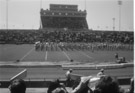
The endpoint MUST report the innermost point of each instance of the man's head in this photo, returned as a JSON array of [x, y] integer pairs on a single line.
[[107, 84], [70, 70], [53, 85], [17, 86], [102, 70], [56, 87]]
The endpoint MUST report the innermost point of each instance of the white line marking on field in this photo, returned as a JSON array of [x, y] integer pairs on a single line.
[[26, 54], [85, 54], [46, 53], [67, 56]]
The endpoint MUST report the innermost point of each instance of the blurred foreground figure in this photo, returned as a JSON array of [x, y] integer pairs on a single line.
[[56, 87], [102, 84], [101, 73], [131, 89], [107, 84], [81, 86], [68, 79], [17, 86], [68, 73]]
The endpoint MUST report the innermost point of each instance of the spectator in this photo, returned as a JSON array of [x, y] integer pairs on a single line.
[[68, 80], [101, 73], [116, 55], [17, 86], [131, 89], [81, 86], [31, 36], [107, 84], [104, 84], [56, 87], [68, 73]]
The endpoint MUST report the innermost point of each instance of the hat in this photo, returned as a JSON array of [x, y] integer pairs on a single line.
[[70, 70]]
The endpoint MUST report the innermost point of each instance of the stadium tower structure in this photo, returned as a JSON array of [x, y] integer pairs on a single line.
[[63, 16]]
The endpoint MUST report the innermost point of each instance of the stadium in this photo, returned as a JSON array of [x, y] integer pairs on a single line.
[[62, 42]]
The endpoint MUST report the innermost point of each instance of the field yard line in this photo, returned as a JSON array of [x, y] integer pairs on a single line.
[[46, 53], [26, 54], [85, 54], [67, 56]]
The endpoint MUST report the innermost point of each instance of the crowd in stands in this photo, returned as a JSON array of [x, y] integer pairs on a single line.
[[103, 84], [31, 36]]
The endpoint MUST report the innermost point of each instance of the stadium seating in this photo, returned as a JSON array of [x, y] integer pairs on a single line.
[[31, 36]]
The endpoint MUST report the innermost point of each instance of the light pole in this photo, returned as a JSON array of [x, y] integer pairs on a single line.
[[40, 23], [98, 27], [7, 14], [113, 24], [119, 3]]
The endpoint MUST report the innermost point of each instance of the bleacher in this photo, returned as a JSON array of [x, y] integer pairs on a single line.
[[31, 36]]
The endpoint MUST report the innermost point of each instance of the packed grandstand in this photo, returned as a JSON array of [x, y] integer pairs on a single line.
[[31, 36]]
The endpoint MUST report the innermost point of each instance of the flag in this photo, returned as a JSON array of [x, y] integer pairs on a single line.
[[92, 82], [20, 75], [75, 76]]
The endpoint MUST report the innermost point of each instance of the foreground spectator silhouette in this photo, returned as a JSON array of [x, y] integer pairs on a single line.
[[17, 86], [79, 87], [131, 89], [107, 84], [56, 87], [68, 79], [82, 85], [101, 73]]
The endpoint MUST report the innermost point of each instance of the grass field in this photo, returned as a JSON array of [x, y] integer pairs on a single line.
[[11, 53], [26, 53]]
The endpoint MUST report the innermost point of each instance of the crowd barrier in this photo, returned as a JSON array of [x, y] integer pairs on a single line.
[[100, 66], [28, 66], [71, 66]]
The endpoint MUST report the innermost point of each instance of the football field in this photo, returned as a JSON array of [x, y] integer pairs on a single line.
[[26, 53]]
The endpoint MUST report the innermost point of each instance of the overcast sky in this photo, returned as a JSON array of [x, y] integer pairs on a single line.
[[25, 14]]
